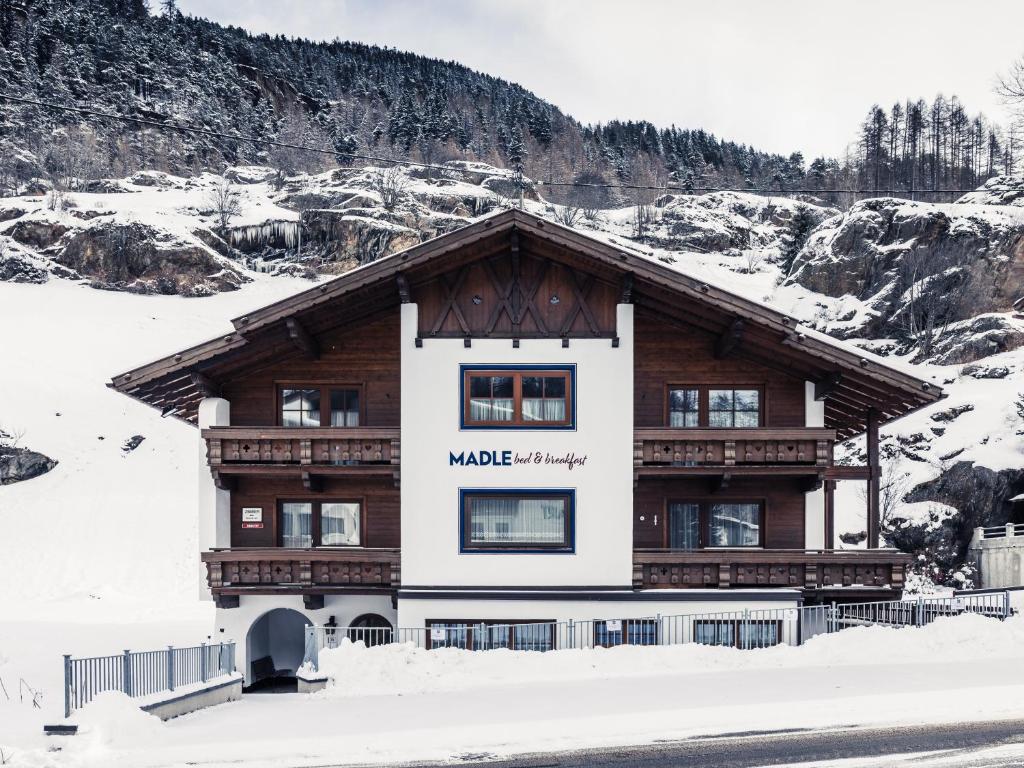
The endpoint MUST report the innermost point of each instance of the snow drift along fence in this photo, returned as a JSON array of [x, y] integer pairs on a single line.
[[737, 629], [143, 673]]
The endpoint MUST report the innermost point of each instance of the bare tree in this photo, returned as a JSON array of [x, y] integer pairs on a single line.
[[57, 199], [223, 199], [752, 260], [390, 183], [1010, 86], [893, 486], [567, 214]]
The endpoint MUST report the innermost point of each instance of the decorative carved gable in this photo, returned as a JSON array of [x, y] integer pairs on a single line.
[[516, 293]]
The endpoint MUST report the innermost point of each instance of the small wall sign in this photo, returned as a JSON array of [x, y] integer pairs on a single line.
[[613, 625], [252, 517], [438, 634]]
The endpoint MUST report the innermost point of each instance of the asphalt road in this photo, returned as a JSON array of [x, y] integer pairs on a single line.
[[748, 750]]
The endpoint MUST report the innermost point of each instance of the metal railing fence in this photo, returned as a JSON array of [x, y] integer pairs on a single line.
[[1010, 530], [142, 673], [737, 629]]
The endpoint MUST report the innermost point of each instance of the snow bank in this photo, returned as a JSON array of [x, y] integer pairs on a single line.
[[114, 719], [355, 670]]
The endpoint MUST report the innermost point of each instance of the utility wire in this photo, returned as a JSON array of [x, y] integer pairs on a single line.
[[196, 129]]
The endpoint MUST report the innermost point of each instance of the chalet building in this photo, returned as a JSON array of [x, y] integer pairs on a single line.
[[518, 422]]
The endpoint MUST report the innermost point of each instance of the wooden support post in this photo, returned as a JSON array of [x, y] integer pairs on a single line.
[[874, 480], [830, 514]]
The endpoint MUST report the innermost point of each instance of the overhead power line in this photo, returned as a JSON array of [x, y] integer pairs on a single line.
[[199, 130]]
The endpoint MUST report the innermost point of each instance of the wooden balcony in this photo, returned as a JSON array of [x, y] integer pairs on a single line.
[[800, 569], [307, 451], [309, 572], [755, 451]]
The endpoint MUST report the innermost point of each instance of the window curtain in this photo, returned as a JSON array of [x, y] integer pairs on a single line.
[[297, 525], [344, 408], [491, 409], [684, 526], [339, 524], [735, 525], [500, 520], [714, 633], [543, 409]]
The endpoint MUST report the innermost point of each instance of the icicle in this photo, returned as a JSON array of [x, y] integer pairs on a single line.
[[270, 231]]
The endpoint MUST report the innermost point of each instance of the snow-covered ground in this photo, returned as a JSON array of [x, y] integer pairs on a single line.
[[397, 703], [99, 554]]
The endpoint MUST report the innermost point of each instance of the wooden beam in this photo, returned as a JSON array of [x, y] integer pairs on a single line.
[[812, 483], [404, 294], [720, 482], [222, 481], [313, 602], [730, 339], [826, 386], [207, 386], [874, 481], [626, 289], [226, 601], [302, 339], [312, 482]]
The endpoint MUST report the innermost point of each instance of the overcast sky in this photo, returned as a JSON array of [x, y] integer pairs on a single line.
[[780, 75]]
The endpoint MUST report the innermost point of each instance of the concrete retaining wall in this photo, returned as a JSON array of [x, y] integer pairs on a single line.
[[195, 699]]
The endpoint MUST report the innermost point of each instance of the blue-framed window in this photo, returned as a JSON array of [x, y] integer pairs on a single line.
[[626, 632], [517, 396], [516, 520]]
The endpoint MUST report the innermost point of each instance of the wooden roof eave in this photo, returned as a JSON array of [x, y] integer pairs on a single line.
[[642, 268]]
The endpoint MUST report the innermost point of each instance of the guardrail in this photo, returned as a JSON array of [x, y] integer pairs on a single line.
[[143, 673], [738, 629], [1008, 531]]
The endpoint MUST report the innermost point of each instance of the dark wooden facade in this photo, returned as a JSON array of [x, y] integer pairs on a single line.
[[518, 277]]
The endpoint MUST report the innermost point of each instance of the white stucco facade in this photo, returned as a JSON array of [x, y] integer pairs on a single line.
[[814, 501], [441, 579], [603, 484], [214, 504]]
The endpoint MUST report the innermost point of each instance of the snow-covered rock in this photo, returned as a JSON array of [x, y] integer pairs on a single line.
[[916, 267], [17, 464]]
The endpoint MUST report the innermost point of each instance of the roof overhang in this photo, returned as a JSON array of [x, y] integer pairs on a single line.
[[850, 380]]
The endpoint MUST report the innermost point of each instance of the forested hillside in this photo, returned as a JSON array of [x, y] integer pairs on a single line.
[[114, 55], [123, 57]]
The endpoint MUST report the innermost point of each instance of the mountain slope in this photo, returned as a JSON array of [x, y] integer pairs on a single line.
[[956, 463], [113, 56]]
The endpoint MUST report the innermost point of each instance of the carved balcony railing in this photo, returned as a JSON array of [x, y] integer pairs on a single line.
[[802, 569], [755, 447], [326, 446], [273, 570]]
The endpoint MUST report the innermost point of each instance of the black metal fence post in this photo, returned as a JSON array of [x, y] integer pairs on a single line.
[[126, 673], [170, 667], [67, 685]]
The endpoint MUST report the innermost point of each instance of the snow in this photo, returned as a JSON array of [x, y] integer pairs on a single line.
[[93, 578], [353, 669], [393, 704]]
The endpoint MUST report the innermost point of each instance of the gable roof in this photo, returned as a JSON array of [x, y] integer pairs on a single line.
[[851, 380]]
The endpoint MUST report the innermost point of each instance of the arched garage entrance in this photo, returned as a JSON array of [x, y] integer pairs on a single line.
[[274, 649]]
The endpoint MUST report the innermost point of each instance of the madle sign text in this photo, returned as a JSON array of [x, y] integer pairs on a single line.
[[502, 458]]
